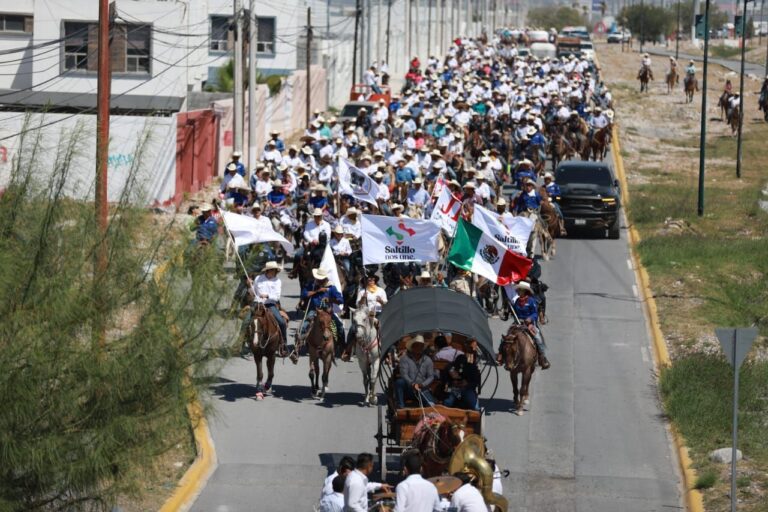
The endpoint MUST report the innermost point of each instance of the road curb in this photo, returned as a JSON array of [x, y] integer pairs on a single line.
[[693, 497], [198, 473], [202, 468]]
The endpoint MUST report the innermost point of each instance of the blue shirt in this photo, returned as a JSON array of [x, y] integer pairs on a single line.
[[207, 229], [240, 168], [318, 201], [538, 140], [276, 197], [404, 175], [331, 295], [420, 196], [520, 177], [279, 145], [524, 202], [527, 309], [553, 189]]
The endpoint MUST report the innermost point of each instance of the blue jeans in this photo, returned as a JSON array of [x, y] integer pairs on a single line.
[[462, 398], [403, 390], [279, 319]]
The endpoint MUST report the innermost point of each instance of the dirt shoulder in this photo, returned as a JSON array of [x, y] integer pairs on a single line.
[[705, 271]]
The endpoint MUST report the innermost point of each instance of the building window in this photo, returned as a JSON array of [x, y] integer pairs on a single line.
[[265, 36], [137, 53], [76, 46], [16, 23], [130, 47], [220, 33]]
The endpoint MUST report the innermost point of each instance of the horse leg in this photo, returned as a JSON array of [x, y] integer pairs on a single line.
[[271, 357], [257, 356], [374, 376], [515, 393], [524, 394], [366, 377], [327, 361], [313, 371]]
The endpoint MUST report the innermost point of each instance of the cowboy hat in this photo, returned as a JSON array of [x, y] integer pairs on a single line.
[[470, 184], [277, 183], [320, 274], [338, 229], [501, 202], [231, 167], [272, 265], [549, 175], [397, 207], [256, 206], [205, 207], [237, 154], [416, 339], [524, 285], [425, 275], [352, 211], [317, 212], [418, 181]]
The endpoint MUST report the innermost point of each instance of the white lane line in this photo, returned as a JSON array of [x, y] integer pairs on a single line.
[[646, 354], [634, 290], [629, 264]]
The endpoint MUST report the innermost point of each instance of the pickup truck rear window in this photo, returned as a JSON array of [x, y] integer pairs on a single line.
[[593, 175]]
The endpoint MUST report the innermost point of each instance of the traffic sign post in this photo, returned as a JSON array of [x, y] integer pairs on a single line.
[[736, 344]]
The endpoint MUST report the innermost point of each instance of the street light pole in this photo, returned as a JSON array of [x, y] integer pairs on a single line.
[[677, 32], [741, 87], [703, 131], [642, 25]]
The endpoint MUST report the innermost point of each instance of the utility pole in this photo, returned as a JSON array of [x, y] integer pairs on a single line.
[[309, 62], [418, 26], [429, 28], [642, 25], [354, 46], [389, 19], [495, 9], [237, 122], [677, 32], [452, 32], [378, 31], [369, 33], [252, 38], [408, 40], [103, 92], [468, 13], [703, 130], [741, 87], [441, 47]]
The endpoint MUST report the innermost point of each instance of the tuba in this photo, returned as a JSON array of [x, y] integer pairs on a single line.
[[469, 457]]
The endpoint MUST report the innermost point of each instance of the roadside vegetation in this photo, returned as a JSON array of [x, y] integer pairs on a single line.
[[705, 272], [90, 420]]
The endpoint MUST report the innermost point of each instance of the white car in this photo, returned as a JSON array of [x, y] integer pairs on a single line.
[[587, 50], [618, 37]]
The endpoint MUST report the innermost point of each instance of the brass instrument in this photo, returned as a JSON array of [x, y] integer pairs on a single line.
[[469, 457]]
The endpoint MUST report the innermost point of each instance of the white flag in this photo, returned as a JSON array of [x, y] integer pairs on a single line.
[[510, 230], [247, 230], [356, 183], [446, 211], [393, 239], [328, 263]]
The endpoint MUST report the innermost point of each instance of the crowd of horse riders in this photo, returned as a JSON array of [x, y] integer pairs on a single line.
[[482, 120]]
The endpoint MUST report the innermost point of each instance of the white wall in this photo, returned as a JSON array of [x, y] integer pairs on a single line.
[[156, 168], [16, 68]]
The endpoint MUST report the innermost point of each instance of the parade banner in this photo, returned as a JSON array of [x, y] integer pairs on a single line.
[[511, 231], [446, 211], [247, 230], [393, 239], [356, 183], [483, 255]]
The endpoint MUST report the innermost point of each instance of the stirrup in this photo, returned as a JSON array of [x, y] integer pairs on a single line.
[[543, 362]]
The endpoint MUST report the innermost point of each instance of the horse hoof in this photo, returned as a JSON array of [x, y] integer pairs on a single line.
[[526, 402], [374, 400], [259, 396], [519, 412], [267, 386]]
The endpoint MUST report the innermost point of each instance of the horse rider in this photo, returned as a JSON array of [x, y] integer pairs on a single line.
[[553, 191], [320, 294], [417, 196], [235, 159], [528, 199], [527, 312], [206, 226], [690, 72], [341, 248], [672, 65], [524, 172], [372, 296], [763, 93], [645, 63], [268, 288], [312, 231], [416, 374]]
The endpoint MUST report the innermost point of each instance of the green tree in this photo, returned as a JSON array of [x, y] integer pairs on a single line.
[[547, 17], [717, 18], [226, 80], [81, 422], [654, 21]]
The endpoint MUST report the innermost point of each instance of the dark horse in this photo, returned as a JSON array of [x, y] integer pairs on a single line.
[[303, 266], [644, 76], [599, 143], [519, 355], [436, 437], [263, 337], [691, 85], [320, 346]]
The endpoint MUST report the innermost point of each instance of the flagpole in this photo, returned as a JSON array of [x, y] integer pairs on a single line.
[[237, 253]]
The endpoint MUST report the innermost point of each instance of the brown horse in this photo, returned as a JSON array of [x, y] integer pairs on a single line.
[[320, 346], [599, 143], [691, 85], [723, 103], [672, 79], [579, 145], [475, 144], [436, 437], [263, 337], [556, 147], [733, 119], [519, 355], [644, 76]]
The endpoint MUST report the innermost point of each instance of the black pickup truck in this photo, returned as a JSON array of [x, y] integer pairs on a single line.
[[589, 196]]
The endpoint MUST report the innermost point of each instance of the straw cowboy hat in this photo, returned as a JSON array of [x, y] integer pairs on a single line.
[[320, 274], [425, 275], [317, 212], [272, 265], [524, 285], [416, 339], [338, 229]]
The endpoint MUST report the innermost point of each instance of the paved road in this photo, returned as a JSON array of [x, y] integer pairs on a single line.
[[593, 440], [750, 68]]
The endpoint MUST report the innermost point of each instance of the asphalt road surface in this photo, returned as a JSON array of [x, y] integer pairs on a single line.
[[593, 439]]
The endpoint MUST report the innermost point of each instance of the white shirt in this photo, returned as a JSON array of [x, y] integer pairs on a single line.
[[353, 228], [356, 489], [312, 230], [328, 486], [264, 223], [273, 155], [447, 354], [468, 499], [341, 247], [269, 287], [414, 494], [333, 502], [372, 296], [263, 187]]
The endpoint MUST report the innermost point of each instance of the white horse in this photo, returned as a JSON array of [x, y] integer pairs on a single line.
[[367, 351]]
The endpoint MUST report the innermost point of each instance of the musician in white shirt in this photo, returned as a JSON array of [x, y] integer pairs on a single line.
[[357, 487], [467, 498], [415, 494]]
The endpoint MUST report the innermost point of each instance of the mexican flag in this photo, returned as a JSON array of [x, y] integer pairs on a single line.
[[482, 254]]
